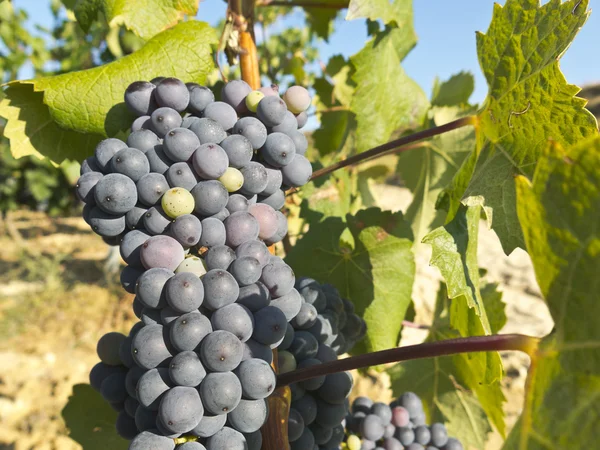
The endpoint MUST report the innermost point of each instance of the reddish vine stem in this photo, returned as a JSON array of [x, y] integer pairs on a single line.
[[518, 342], [388, 147], [303, 4]]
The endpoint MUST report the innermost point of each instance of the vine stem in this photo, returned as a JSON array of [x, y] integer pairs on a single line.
[[393, 146], [518, 342]]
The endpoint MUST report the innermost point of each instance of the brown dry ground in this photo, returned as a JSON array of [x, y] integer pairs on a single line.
[[55, 302]]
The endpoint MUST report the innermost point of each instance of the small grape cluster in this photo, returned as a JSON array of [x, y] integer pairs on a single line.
[[192, 199], [397, 426], [324, 327]]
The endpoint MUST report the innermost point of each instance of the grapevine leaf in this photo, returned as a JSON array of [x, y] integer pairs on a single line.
[[32, 131], [494, 306], [528, 102], [91, 420], [321, 19], [427, 170], [398, 12], [386, 98], [376, 275], [91, 101], [454, 253], [145, 18], [332, 199], [559, 212], [332, 134], [434, 380], [455, 91]]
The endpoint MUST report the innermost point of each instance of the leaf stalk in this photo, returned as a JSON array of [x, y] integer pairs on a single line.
[[500, 342]]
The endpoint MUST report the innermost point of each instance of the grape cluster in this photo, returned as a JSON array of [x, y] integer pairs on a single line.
[[192, 199], [397, 426], [324, 327]]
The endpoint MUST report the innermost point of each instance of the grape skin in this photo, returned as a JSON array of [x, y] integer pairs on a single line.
[[221, 392], [115, 194], [151, 187], [248, 416], [255, 178], [253, 130], [130, 162], [234, 93], [208, 131], [156, 221], [151, 386], [298, 172], [180, 143], [200, 98], [266, 218], [209, 425], [177, 202], [221, 351], [186, 229], [162, 251], [139, 97], [222, 113], [184, 292], [210, 161], [257, 378], [149, 348], [172, 93], [164, 120], [252, 100], [210, 197], [297, 99], [234, 318], [232, 179], [143, 140], [271, 111], [105, 150], [182, 175], [131, 245], [180, 409], [239, 150], [106, 225]]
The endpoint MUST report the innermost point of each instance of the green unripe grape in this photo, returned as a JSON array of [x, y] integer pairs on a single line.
[[353, 442], [177, 202], [252, 100], [297, 99], [232, 179], [192, 264]]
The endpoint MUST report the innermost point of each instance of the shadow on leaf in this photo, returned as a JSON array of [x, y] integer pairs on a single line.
[[91, 420]]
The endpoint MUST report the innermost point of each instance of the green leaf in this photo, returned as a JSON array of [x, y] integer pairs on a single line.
[[529, 101], [332, 134], [397, 12], [455, 91], [426, 171], [321, 19], [454, 253], [332, 199], [434, 380], [386, 98], [91, 101], [377, 275], [145, 18], [91, 420], [32, 131], [494, 306], [559, 212]]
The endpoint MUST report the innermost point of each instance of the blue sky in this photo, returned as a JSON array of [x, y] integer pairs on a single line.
[[446, 31]]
